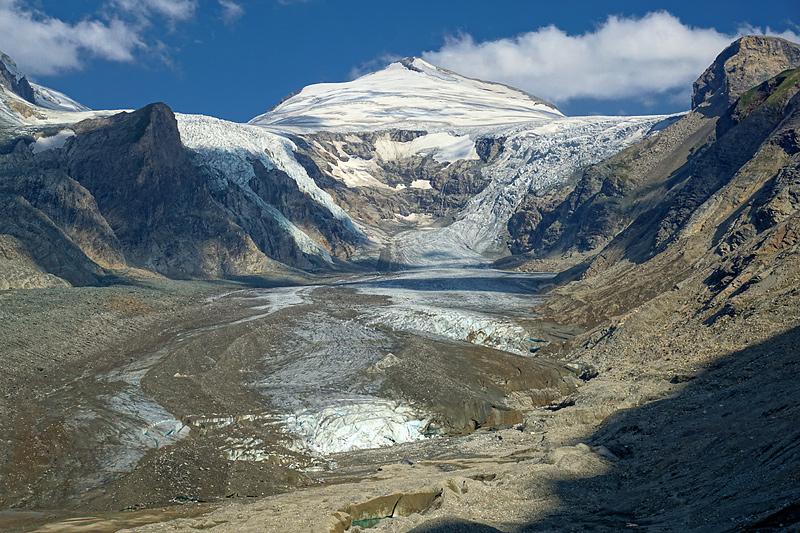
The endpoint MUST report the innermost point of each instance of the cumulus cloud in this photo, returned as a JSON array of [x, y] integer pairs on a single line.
[[622, 57], [45, 45], [231, 11]]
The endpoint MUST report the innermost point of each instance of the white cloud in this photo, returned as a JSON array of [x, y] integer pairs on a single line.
[[789, 35], [173, 10], [45, 45], [622, 57], [231, 11]]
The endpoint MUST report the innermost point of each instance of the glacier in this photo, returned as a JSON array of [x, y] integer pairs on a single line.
[[535, 156]]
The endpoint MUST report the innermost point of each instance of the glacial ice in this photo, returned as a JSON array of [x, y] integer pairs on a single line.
[[226, 150], [355, 423]]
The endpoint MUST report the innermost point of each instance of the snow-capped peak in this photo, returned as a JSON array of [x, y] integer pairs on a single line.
[[11, 67], [24, 102], [407, 93]]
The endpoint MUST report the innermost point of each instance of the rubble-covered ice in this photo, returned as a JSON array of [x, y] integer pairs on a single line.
[[127, 423]]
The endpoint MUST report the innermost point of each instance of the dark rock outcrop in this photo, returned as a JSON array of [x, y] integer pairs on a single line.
[[10, 81], [122, 193], [153, 198], [748, 61]]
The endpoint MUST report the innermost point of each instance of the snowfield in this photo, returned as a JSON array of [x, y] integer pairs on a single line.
[[406, 94], [443, 146], [54, 100]]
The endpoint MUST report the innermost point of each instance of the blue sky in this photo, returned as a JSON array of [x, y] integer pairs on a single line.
[[237, 58]]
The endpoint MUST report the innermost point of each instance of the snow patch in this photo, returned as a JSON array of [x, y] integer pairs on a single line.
[[415, 218], [54, 141], [421, 184], [443, 146], [356, 172]]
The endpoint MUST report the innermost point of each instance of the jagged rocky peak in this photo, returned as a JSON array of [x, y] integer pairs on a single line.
[[409, 92], [747, 62], [13, 80], [17, 93]]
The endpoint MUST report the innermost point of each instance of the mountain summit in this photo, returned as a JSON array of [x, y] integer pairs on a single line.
[[408, 91]]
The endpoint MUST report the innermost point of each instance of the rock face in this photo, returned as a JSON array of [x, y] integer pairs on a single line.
[[154, 200], [744, 64], [729, 212], [705, 280]]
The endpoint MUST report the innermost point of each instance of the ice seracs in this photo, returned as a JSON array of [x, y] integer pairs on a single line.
[[408, 93], [357, 423]]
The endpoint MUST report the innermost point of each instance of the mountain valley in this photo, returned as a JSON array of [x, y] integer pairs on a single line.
[[414, 301]]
